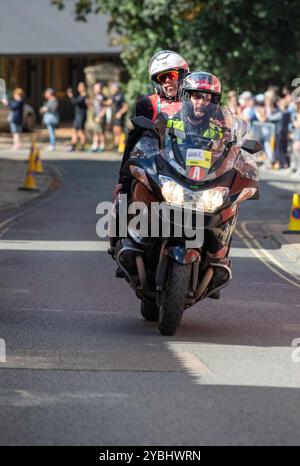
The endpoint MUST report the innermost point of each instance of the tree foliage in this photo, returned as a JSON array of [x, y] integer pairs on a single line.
[[249, 45]]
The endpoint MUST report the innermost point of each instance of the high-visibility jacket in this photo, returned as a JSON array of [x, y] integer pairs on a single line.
[[209, 133]]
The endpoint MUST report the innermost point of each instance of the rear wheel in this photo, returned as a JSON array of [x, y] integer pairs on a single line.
[[149, 311], [174, 300]]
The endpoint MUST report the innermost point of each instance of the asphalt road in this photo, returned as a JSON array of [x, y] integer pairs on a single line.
[[83, 367]]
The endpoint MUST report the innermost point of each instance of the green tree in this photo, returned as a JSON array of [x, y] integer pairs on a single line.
[[249, 45]]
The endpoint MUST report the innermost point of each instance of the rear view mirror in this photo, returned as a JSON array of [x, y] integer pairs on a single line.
[[252, 146]]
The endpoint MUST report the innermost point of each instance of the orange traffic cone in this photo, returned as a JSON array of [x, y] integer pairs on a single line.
[[38, 166], [294, 224], [30, 181]]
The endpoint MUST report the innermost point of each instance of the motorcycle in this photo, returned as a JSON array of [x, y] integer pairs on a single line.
[[208, 169]]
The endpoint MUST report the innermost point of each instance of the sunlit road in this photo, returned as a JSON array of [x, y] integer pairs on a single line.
[[83, 367]]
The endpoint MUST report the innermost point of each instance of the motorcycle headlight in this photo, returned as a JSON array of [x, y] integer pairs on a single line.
[[208, 200], [172, 192], [211, 200]]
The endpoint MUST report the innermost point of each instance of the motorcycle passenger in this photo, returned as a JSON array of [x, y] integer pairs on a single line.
[[166, 70]]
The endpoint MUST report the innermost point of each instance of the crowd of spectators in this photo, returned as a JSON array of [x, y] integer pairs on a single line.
[[107, 108], [274, 119]]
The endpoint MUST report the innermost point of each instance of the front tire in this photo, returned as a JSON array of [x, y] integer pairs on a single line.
[[174, 300]]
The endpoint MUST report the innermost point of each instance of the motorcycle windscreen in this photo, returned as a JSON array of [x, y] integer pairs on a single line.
[[196, 138]]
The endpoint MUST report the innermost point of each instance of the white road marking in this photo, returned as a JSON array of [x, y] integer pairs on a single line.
[[31, 398], [37, 245], [32, 245]]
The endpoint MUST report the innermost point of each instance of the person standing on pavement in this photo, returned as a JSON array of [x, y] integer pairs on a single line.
[[295, 154], [50, 116], [16, 116], [99, 104], [80, 115], [282, 132], [119, 109]]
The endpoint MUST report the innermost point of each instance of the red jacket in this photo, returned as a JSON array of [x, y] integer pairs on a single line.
[[149, 106]]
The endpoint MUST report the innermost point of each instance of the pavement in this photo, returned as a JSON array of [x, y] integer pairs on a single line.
[[13, 171], [12, 177]]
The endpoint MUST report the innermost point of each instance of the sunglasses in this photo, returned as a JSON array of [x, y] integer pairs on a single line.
[[172, 75]]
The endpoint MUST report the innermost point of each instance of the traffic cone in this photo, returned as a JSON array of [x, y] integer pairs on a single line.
[[294, 224], [122, 141], [38, 166], [30, 181]]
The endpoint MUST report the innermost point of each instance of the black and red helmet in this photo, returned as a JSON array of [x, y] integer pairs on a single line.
[[201, 81]]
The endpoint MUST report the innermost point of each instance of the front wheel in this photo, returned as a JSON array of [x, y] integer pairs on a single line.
[[174, 300]]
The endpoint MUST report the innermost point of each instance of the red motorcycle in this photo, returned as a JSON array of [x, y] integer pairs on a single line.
[[207, 168]]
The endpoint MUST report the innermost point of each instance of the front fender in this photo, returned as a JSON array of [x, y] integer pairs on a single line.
[[183, 255]]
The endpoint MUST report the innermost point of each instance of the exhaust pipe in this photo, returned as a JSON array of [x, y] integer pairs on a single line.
[[205, 282]]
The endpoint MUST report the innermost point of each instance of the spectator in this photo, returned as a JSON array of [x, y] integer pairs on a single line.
[[276, 113], [295, 155], [243, 99], [248, 113], [119, 109], [281, 133], [265, 139], [80, 115], [16, 116], [290, 104], [271, 99], [50, 117], [260, 99], [99, 111]]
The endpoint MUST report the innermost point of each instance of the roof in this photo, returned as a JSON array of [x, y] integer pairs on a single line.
[[36, 27]]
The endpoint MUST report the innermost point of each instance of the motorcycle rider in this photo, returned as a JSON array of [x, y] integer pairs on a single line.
[[198, 91], [200, 94]]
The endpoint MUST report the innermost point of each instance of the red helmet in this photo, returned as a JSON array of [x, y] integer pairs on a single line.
[[201, 81]]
